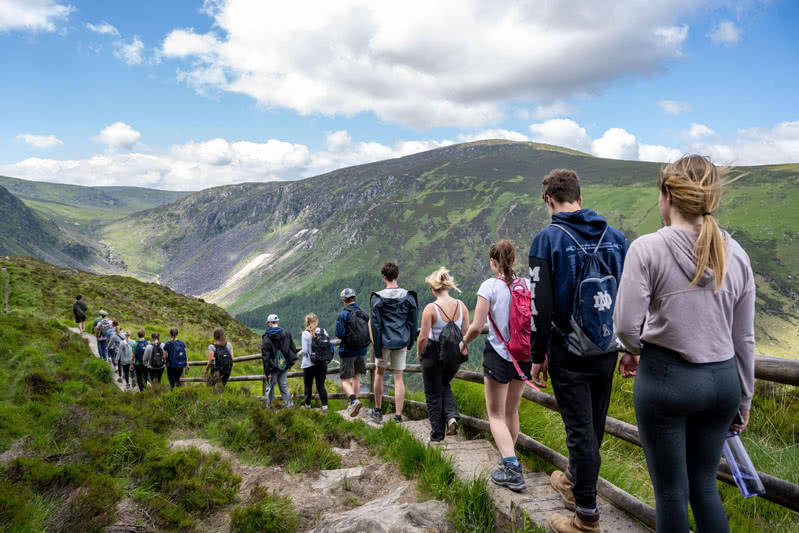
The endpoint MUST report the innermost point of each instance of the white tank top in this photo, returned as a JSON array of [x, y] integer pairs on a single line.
[[438, 324]]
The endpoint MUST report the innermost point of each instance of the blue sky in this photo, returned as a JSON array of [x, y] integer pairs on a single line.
[[190, 94]]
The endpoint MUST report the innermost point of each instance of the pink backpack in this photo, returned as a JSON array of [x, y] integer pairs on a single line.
[[520, 316]]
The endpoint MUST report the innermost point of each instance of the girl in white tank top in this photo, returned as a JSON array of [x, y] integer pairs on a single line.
[[438, 325]]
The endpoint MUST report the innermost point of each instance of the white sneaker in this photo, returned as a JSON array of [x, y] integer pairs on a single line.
[[324, 408], [452, 427]]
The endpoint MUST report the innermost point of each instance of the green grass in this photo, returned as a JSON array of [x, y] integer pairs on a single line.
[[266, 512]]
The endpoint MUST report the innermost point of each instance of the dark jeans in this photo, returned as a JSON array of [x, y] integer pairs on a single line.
[[582, 387], [173, 374], [684, 411], [125, 370], [141, 376], [316, 373], [155, 374], [441, 404], [102, 349]]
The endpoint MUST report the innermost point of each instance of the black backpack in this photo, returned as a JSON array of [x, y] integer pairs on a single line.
[[357, 326], [157, 356], [223, 359], [449, 351], [321, 349], [138, 357]]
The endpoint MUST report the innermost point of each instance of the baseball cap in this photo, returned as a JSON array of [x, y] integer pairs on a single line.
[[348, 293], [273, 318]]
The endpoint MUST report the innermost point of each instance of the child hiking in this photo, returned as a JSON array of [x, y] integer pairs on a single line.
[[352, 327], [444, 323], [503, 382], [317, 352]]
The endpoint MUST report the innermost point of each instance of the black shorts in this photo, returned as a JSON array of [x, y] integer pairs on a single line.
[[352, 365], [500, 370]]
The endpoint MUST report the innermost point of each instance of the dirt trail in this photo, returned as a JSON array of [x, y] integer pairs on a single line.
[[91, 340]]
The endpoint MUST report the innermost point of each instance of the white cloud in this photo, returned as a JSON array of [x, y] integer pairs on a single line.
[[674, 107], [725, 33], [338, 140], [119, 135], [32, 15], [482, 135], [616, 143], [757, 146], [103, 28], [130, 52], [555, 109], [696, 131], [408, 62], [40, 141], [562, 132], [658, 154]]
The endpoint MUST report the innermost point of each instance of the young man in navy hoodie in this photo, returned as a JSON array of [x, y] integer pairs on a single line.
[[582, 383]]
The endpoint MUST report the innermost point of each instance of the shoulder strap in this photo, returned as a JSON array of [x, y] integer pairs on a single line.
[[564, 230], [445, 313]]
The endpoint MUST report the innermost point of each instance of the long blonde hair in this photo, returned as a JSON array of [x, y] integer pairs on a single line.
[[311, 322], [696, 190], [441, 280]]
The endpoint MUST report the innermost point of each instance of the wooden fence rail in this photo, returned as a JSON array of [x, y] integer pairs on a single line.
[[767, 368]]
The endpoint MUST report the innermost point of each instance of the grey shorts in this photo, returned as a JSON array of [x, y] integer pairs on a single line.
[[352, 365], [393, 359]]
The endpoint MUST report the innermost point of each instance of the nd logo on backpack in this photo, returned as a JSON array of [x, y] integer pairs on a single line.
[[591, 319]]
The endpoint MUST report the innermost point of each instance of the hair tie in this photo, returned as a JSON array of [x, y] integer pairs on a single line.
[[707, 214]]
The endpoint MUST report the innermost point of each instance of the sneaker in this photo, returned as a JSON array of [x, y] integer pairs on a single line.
[[398, 419], [452, 427], [436, 438], [564, 487], [354, 408], [303, 406], [324, 408], [376, 416], [119, 380], [510, 476]]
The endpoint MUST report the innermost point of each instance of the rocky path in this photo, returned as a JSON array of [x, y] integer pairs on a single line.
[[475, 458], [91, 340]]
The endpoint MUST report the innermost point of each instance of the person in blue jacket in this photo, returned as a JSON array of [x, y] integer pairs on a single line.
[[352, 327], [582, 383]]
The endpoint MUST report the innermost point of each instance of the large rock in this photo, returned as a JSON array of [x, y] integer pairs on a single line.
[[384, 515]]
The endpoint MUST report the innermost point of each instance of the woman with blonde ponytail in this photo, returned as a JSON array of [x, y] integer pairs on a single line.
[[441, 406], [686, 304]]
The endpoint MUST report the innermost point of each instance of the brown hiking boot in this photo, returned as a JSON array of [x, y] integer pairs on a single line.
[[563, 524], [564, 487]]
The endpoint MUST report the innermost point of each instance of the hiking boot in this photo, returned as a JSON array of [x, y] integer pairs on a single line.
[[376, 416], [354, 408], [452, 427], [509, 475], [578, 523], [119, 380], [436, 438], [398, 419], [564, 487]]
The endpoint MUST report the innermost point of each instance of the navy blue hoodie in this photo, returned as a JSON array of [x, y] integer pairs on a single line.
[[554, 259]]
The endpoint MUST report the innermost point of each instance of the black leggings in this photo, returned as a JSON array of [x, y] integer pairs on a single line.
[[125, 373], [141, 376], [173, 374], [684, 411], [441, 406], [155, 374], [316, 373]]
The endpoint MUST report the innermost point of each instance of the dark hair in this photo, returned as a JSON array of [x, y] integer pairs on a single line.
[[349, 301], [562, 185], [155, 335], [504, 253], [219, 334], [390, 271], [78, 297], [141, 333], [173, 332], [114, 323]]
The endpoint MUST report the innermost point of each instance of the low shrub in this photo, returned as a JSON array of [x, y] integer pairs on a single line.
[[265, 512]]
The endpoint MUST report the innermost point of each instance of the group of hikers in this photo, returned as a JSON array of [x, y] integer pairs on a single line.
[[677, 305]]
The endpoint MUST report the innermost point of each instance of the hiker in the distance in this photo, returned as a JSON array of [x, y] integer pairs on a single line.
[[139, 368], [100, 327], [115, 339], [79, 309], [278, 355], [317, 352], [125, 356], [575, 266], [176, 359], [687, 304], [444, 323], [220, 360], [352, 327], [394, 328], [155, 358], [503, 382]]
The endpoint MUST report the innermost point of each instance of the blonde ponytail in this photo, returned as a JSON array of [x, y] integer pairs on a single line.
[[311, 322], [695, 185], [441, 280]]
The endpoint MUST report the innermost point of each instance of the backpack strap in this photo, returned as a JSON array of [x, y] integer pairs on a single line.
[[445, 313], [596, 248]]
